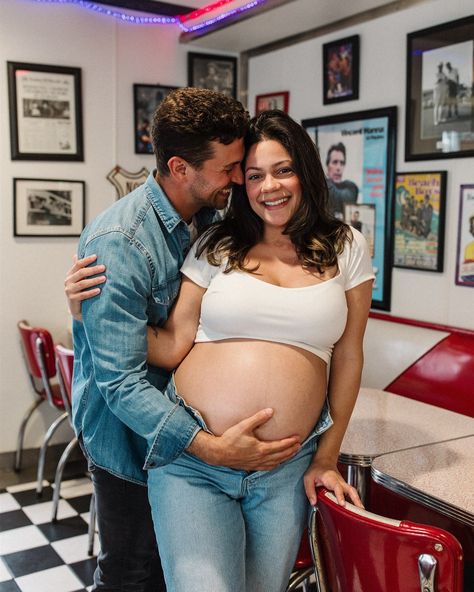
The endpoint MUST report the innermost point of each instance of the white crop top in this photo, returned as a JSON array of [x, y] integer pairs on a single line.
[[240, 305]]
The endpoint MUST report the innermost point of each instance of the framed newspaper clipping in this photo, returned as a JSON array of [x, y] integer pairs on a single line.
[[45, 112]]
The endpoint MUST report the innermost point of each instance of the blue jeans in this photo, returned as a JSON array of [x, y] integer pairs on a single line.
[[226, 530]]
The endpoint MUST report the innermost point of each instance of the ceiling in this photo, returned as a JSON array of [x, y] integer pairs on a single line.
[[286, 19], [268, 23]]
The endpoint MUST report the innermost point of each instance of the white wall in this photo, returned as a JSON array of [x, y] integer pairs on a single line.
[[112, 56], [420, 295]]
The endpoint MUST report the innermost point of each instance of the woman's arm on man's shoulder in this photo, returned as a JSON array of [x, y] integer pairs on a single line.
[[82, 281]]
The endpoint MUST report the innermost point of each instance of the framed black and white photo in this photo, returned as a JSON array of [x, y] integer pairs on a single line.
[[48, 207], [341, 70], [465, 248], [45, 112], [146, 98], [215, 72], [440, 79], [357, 151]]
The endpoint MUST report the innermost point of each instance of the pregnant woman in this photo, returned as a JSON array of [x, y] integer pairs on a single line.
[[272, 297]]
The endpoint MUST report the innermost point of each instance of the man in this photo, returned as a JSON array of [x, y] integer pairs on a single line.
[[340, 191], [355, 221], [125, 423], [426, 216], [453, 86]]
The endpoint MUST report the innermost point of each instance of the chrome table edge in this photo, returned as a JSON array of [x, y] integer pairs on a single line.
[[416, 495]]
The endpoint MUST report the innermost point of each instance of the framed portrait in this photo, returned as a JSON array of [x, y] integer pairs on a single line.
[[146, 98], [440, 79], [465, 251], [48, 207], [362, 218], [45, 112], [357, 151], [277, 100], [215, 72], [341, 70], [420, 203]]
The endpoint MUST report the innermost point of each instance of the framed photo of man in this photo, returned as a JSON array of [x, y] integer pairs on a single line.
[[357, 151], [215, 72], [420, 204], [146, 98], [45, 112], [465, 251], [440, 82], [341, 70]]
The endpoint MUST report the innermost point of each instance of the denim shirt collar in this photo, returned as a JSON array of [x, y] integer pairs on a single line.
[[165, 210]]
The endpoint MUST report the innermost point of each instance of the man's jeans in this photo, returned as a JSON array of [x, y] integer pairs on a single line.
[[128, 560]]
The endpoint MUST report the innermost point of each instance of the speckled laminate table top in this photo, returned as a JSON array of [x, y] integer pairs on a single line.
[[383, 422], [440, 476]]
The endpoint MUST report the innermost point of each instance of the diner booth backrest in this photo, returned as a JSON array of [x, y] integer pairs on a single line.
[[423, 361]]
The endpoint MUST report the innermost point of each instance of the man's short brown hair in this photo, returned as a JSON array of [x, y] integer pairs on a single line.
[[188, 119]]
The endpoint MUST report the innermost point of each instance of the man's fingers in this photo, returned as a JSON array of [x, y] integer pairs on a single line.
[[249, 424]]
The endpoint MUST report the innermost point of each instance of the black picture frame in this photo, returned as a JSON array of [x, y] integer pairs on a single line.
[[465, 243], [215, 72], [367, 156], [45, 112], [419, 220], [48, 207], [439, 109], [146, 98], [341, 70]]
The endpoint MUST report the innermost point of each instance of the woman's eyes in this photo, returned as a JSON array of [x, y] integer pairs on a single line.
[[283, 171]]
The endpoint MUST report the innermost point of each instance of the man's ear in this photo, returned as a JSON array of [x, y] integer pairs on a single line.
[[178, 168]]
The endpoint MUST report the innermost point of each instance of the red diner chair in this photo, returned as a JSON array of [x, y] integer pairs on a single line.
[[38, 350], [358, 551], [303, 568], [64, 367]]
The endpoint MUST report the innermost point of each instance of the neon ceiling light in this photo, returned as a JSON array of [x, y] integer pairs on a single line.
[[166, 20]]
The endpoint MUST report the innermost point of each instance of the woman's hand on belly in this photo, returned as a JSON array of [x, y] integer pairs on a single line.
[[322, 473]]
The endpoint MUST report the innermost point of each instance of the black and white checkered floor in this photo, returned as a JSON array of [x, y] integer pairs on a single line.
[[38, 556]]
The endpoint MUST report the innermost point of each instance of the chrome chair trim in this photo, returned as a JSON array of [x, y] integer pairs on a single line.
[[427, 570], [21, 433], [316, 553], [42, 454], [59, 475]]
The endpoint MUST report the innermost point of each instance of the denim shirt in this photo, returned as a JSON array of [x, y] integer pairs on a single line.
[[126, 422]]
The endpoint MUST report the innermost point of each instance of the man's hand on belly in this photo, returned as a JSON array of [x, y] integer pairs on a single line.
[[239, 448]]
